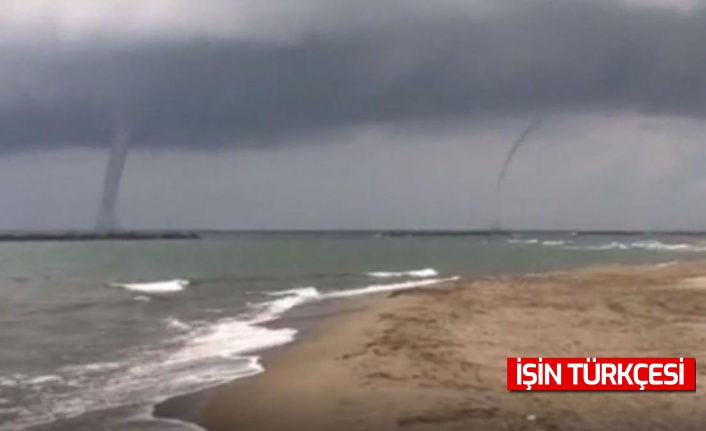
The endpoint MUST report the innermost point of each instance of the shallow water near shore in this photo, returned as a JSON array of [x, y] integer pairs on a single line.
[[94, 334]]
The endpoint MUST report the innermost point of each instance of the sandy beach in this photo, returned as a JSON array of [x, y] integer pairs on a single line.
[[435, 358]]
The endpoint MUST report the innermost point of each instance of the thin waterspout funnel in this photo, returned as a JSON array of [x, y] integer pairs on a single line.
[[107, 221]]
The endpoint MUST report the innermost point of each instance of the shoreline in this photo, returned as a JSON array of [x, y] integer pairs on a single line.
[[434, 358], [308, 319]]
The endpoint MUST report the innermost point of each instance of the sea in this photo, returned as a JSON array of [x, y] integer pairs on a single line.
[[93, 334]]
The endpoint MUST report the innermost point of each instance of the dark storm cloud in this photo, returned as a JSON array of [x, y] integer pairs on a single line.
[[528, 56]]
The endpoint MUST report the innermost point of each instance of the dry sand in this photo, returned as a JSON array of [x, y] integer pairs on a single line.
[[434, 359]]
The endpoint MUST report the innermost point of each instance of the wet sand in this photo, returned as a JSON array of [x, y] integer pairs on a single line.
[[434, 359]]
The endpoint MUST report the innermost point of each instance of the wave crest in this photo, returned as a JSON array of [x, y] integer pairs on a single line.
[[157, 287], [375, 288], [416, 273]]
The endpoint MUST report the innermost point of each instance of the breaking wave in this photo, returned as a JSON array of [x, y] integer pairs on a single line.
[[174, 323], [522, 241], [417, 273], [649, 245], [375, 288], [614, 245], [200, 355], [645, 245], [657, 245], [306, 294], [157, 287]]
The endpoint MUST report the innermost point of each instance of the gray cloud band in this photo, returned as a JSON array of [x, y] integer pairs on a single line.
[[531, 56]]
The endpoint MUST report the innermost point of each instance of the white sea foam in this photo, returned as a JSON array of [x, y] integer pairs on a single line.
[[142, 298], [43, 380], [174, 323], [293, 297], [375, 288], [91, 368], [660, 246], [288, 300], [416, 273], [649, 245], [207, 355], [7, 381], [522, 241], [614, 245], [553, 243], [230, 338], [157, 287]]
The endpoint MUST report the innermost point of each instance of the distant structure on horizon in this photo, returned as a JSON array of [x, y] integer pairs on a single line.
[[107, 219]]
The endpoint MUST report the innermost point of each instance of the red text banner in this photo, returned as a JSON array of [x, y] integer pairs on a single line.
[[601, 374]]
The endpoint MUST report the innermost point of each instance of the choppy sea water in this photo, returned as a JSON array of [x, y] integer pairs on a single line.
[[96, 333]]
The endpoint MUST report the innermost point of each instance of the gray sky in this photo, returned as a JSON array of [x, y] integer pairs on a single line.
[[355, 114]]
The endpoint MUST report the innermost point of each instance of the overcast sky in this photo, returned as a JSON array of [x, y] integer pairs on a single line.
[[355, 114]]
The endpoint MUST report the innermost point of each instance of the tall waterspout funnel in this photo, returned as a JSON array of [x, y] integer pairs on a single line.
[[107, 221], [526, 133]]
